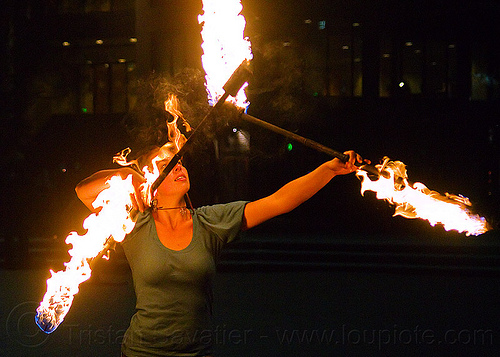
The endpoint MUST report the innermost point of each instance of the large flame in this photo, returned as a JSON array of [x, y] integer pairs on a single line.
[[113, 220], [224, 46], [417, 201]]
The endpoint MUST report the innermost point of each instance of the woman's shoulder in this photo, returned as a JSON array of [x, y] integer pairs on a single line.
[[220, 209], [142, 220], [222, 220]]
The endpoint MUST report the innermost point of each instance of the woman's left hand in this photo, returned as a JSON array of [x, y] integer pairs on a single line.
[[342, 168]]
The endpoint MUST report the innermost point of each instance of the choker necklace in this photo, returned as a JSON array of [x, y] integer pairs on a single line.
[[182, 209]]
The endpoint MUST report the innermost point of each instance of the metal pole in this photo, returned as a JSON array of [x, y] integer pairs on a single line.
[[310, 143]]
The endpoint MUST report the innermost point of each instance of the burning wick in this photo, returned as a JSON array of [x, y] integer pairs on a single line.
[[224, 47], [113, 220], [417, 201]]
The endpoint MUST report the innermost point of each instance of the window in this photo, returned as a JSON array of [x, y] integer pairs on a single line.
[[88, 6], [413, 68], [345, 63], [106, 87]]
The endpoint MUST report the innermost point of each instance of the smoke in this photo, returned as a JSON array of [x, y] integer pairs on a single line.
[[146, 123], [281, 85]]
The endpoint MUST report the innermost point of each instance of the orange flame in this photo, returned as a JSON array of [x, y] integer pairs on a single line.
[[417, 201], [224, 46], [113, 221]]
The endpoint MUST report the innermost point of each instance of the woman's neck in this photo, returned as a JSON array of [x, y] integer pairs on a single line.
[[172, 212], [165, 203]]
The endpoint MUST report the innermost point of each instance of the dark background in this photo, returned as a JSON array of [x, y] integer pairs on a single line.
[[340, 262]]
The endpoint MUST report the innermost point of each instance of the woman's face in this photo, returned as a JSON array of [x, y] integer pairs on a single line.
[[177, 181]]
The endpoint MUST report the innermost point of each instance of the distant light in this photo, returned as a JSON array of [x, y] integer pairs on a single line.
[[386, 55], [355, 24], [66, 44], [84, 110], [99, 42], [122, 60], [451, 45], [315, 94], [433, 63], [418, 51], [401, 84], [357, 60], [63, 170], [289, 146], [345, 47], [235, 130], [308, 21], [408, 44], [322, 25], [133, 39], [286, 44]]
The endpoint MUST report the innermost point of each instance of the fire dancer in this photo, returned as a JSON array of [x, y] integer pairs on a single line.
[[173, 249]]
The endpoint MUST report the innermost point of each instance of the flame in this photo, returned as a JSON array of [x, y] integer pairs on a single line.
[[224, 47], [417, 201], [174, 135], [113, 220]]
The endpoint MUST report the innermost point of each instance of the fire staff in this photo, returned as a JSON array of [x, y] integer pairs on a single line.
[[173, 249]]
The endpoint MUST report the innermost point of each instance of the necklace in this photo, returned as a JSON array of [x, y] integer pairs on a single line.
[[166, 208], [182, 209], [154, 205]]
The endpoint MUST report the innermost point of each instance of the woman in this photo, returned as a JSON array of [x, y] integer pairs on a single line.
[[173, 250]]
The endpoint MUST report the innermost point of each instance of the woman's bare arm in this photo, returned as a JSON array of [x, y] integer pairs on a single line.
[[296, 192], [88, 189]]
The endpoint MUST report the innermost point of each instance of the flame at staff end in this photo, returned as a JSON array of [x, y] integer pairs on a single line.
[[417, 201], [113, 220], [224, 47]]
